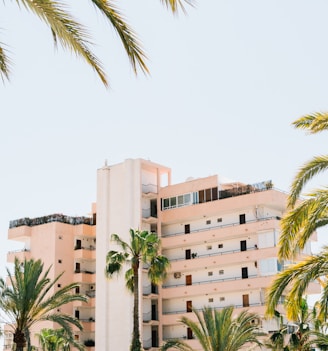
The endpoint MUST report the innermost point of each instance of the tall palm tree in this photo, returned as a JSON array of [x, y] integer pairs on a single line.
[[28, 299], [218, 330], [74, 36], [305, 216], [142, 249]]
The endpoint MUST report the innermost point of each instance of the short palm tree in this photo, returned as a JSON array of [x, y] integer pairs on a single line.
[[57, 340], [142, 249], [305, 216], [218, 330], [29, 299], [73, 36]]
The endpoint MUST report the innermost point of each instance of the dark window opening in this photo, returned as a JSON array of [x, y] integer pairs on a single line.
[[242, 218], [244, 273], [188, 254], [189, 333], [187, 228], [243, 245], [189, 306]]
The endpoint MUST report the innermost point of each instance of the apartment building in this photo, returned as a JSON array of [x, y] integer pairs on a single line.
[[220, 238], [68, 245]]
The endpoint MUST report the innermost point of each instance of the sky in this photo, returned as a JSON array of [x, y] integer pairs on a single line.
[[227, 81]]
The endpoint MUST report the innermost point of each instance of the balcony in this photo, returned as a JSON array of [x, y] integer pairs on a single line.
[[149, 190], [149, 216], [220, 232], [88, 253], [150, 318], [214, 286], [20, 254], [222, 259], [84, 277], [171, 318]]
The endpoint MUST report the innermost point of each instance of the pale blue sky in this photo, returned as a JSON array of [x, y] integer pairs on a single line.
[[226, 82]]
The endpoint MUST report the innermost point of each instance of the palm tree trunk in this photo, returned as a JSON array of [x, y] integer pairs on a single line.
[[19, 340], [136, 344]]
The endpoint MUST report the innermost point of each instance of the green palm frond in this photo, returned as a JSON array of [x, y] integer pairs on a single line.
[[176, 344], [28, 298], [66, 30], [128, 37], [174, 5], [298, 224], [158, 268], [114, 262], [297, 278], [307, 172], [217, 330], [314, 123], [5, 63]]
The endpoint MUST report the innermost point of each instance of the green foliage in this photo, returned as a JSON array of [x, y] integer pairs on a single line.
[[72, 35], [142, 248], [218, 330], [30, 297]]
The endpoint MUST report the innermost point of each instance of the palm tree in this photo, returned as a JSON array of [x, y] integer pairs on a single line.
[[74, 36], [28, 299], [219, 331], [304, 217], [56, 340], [143, 249]]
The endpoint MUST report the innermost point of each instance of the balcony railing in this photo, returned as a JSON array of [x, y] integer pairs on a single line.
[[30, 222], [210, 281], [219, 253], [221, 226], [215, 307], [149, 188]]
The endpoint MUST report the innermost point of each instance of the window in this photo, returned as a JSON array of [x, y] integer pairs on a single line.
[[210, 273], [244, 273], [59, 261], [77, 290], [219, 220], [188, 254], [189, 306], [77, 314], [221, 271], [243, 245], [209, 247], [173, 201], [208, 221], [222, 298], [210, 299], [60, 237], [187, 228], [58, 285], [189, 333], [242, 218], [246, 300], [220, 246], [189, 279]]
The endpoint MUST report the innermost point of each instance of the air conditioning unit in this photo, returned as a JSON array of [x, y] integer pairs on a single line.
[[177, 275]]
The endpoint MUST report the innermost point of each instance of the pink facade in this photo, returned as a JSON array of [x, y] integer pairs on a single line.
[[221, 240]]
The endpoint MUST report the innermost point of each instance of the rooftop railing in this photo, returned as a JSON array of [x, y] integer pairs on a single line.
[[30, 222]]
